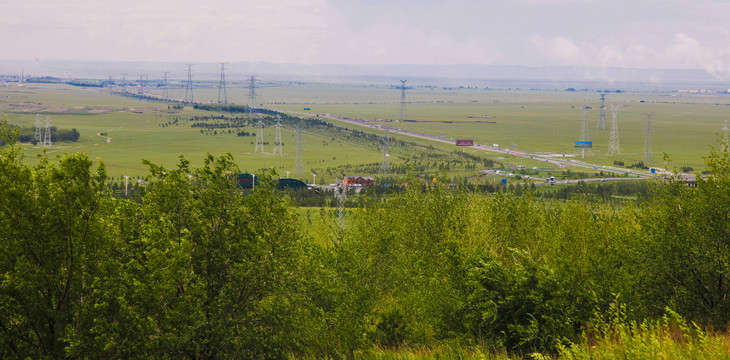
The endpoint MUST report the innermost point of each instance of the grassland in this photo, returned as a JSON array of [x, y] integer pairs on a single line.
[[122, 130]]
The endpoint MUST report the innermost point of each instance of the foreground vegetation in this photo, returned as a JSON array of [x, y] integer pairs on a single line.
[[195, 268]]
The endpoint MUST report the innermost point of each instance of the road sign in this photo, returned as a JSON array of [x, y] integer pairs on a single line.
[[583, 144]]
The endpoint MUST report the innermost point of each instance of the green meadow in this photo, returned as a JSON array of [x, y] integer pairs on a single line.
[[123, 130]]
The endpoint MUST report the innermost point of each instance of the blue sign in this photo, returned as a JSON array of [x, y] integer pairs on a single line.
[[504, 181], [583, 144], [653, 170], [307, 109]]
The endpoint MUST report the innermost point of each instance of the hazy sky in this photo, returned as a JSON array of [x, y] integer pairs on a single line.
[[596, 33]]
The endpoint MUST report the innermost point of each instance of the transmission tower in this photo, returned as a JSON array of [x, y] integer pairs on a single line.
[[38, 128], [403, 115], [584, 130], [341, 196], [164, 85], [189, 85], [648, 157], [602, 115], [384, 163], [222, 86], [47, 138], [613, 143], [251, 93], [724, 137], [298, 164], [259, 136], [277, 137]]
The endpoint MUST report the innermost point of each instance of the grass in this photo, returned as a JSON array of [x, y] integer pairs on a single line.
[[684, 125]]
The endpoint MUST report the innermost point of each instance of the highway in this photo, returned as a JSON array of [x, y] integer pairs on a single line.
[[560, 162]]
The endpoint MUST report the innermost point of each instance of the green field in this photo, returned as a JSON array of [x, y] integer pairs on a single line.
[[684, 125]]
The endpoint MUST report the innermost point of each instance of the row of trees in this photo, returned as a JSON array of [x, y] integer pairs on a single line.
[[195, 268], [26, 134]]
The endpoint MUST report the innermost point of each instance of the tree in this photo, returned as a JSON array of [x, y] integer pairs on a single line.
[[51, 249]]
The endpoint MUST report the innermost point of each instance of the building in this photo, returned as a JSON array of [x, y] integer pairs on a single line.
[[357, 181]]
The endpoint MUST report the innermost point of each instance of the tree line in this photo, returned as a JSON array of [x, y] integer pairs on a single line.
[[193, 267]]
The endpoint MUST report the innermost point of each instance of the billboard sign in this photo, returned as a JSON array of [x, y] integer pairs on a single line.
[[583, 144], [464, 142]]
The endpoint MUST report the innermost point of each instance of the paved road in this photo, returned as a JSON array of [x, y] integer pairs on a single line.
[[560, 163]]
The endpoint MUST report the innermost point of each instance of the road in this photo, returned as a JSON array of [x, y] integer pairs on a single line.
[[560, 163]]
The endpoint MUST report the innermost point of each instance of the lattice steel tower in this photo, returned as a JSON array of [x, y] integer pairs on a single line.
[[341, 196], [613, 141], [403, 115], [298, 163], [165, 93], [384, 163], [38, 128], [259, 136], [277, 138], [251, 93], [47, 138], [648, 157], [189, 85], [602, 114], [222, 86]]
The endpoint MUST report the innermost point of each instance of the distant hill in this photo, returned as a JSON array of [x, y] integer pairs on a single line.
[[239, 71]]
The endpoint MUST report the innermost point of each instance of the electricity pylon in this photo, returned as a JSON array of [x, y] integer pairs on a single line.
[[384, 162], [602, 114], [648, 156], [259, 136], [38, 128], [613, 141], [47, 138], [189, 85], [277, 137], [403, 115], [298, 163], [222, 86]]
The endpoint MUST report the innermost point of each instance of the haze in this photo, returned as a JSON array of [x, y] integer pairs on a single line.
[[678, 34]]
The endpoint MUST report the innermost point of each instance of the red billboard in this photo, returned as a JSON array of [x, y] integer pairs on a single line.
[[464, 142]]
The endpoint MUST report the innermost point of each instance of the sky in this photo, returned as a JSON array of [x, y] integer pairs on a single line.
[[684, 34]]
